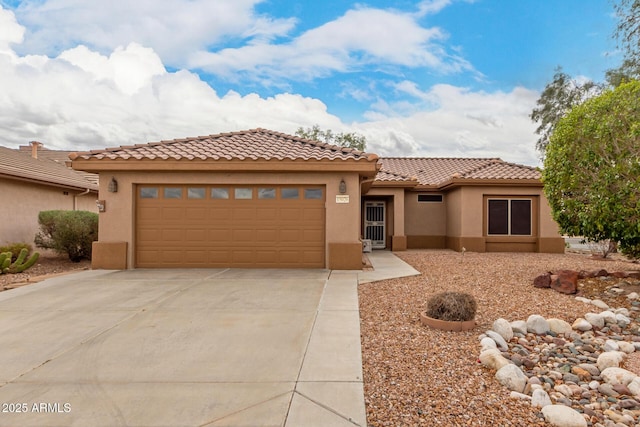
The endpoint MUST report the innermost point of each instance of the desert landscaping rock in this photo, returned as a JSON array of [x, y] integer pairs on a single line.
[[563, 416], [512, 378], [416, 376], [503, 328], [537, 324], [574, 376]]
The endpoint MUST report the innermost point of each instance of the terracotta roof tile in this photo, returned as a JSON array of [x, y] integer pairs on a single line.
[[255, 144], [14, 163], [433, 171]]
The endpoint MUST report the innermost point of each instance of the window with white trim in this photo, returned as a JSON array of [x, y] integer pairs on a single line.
[[509, 217]]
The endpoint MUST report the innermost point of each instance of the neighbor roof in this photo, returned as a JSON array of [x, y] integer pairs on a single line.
[[17, 165], [254, 144], [439, 172]]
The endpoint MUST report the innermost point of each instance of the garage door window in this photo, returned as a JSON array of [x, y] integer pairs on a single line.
[[243, 193], [266, 193], [313, 193], [219, 193], [195, 193], [289, 193], [148, 192], [172, 193]]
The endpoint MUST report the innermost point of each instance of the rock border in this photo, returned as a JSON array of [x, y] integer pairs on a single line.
[[570, 371]]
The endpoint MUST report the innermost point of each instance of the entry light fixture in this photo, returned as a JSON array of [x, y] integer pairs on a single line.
[[113, 186], [342, 188]]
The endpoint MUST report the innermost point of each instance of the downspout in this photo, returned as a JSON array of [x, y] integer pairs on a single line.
[[75, 198]]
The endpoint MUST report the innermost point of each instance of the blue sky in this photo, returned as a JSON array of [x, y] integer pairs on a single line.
[[417, 78]]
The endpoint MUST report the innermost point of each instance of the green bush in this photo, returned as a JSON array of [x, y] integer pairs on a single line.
[[452, 306], [15, 249], [68, 232]]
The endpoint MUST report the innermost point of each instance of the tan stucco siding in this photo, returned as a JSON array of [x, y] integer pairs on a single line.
[[117, 222], [470, 205], [424, 218], [23, 201]]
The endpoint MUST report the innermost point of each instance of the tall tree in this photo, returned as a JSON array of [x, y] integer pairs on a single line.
[[350, 139], [592, 169], [556, 100]]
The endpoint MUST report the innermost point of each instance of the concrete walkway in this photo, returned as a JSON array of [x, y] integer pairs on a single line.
[[186, 348]]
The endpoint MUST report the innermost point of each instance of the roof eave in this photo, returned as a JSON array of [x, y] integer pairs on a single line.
[[365, 166], [397, 184], [503, 182], [89, 186]]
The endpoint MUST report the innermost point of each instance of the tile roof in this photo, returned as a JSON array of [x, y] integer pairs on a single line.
[[433, 171], [254, 144], [58, 156], [16, 164]]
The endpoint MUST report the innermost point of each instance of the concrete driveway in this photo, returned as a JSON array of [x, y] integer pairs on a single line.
[[183, 348]]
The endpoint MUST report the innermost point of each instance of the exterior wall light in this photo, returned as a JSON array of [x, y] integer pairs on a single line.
[[342, 188], [113, 186]]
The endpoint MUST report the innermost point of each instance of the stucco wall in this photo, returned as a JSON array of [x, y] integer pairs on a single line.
[[22, 201], [470, 231], [342, 219], [424, 218]]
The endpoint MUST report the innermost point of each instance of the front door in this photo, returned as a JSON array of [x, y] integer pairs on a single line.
[[374, 218]]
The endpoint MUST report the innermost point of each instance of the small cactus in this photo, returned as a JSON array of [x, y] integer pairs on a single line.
[[20, 264], [5, 261]]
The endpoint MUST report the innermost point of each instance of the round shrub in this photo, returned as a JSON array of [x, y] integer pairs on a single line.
[[452, 306]]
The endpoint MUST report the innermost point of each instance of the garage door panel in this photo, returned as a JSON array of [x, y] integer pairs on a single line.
[[313, 215], [172, 214], [196, 235], [208, 232], [196, 214], [244, 214], [290, 214], [243, 236], [268, 236], [172, 236], [313, 235], [219, 235], [220, 213]]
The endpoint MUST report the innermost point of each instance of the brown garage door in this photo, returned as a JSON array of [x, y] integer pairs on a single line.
[[230, 226]]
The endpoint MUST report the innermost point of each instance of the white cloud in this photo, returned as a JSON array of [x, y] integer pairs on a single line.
[[171, 27], [10, 31], [458, 123], [360, 38], [82, 99]]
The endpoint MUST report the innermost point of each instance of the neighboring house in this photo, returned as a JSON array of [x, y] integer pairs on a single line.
[[260, 198], [30, 183]]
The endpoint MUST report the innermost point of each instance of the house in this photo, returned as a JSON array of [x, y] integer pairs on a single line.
[[30, 183], [260, 199]]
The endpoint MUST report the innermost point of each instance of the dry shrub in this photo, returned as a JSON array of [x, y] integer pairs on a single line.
[[452, 306]]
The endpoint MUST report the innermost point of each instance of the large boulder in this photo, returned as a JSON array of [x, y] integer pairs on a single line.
[[542, 281], [566, 282]]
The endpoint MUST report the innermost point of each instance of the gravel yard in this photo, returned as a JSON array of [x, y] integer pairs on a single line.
[[46, 266], [414, 375]]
